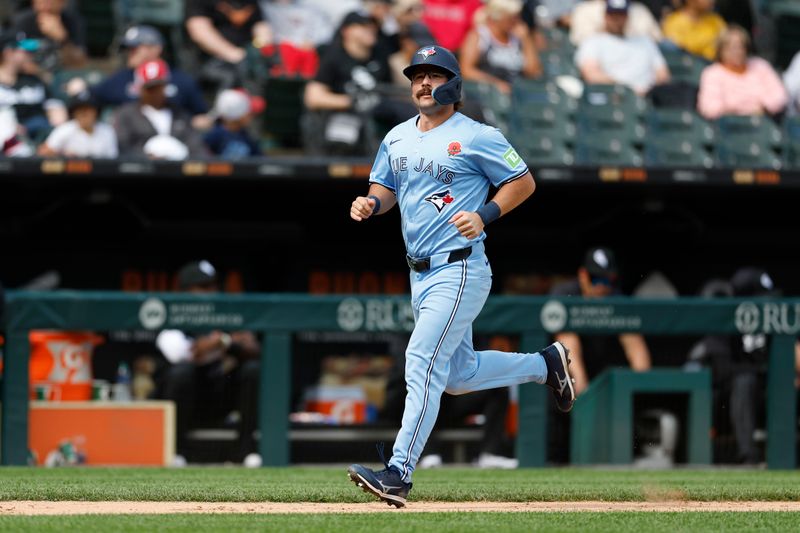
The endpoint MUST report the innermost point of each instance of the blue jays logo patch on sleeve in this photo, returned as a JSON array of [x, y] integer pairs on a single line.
[[440, 200]]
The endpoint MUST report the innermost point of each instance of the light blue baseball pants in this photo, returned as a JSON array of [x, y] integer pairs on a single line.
[[440, 358]]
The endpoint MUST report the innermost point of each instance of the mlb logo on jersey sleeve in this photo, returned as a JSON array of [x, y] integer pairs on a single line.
[[512, 158], [440, 200]]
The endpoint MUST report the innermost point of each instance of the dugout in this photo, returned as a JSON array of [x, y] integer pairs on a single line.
[[278, 316]]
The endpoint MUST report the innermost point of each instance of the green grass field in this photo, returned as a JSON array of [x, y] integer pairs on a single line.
[[399, 522], [330, 485]]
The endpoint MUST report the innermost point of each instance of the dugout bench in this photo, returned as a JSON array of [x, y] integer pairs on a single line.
[[458, 438], [278, 316]]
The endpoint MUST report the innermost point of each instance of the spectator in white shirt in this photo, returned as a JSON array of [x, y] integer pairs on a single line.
[[83, 135], [588, 19], [612, 57]]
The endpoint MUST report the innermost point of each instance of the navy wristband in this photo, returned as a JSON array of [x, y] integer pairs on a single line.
[[377, 204], [489, 212]]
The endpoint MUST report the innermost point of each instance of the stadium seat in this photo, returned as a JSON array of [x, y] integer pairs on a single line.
[[792, 155], [559, 63], [558, 39], [785, 15], [791, 128], [748, 152], [616, 96], [791, 146], [531, 94], [609, 122], [542, 121], [675, 150], [688, 124], [494, 104], [281, 118], [758, 128], [605, 151], [540, 107], [541, 150], [683, 66]]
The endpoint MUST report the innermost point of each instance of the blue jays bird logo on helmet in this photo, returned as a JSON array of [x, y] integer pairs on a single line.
[[427, 52]]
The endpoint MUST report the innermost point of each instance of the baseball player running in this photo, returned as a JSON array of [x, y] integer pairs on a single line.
[[438, 166]]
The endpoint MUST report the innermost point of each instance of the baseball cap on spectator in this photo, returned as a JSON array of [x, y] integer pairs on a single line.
[[421, 35], [197, 274], [357, 17], [601, 263], [18, 40], [752, 281], [81, 99], [233, 104], [617, 6], [151, 73], [143, 34]]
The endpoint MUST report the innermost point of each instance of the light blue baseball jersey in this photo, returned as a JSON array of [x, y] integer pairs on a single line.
[[440, 172]]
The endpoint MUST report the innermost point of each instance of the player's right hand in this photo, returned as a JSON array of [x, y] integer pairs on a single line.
[[361, 208]]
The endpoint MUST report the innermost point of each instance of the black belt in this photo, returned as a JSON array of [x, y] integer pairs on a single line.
[[423, 264]]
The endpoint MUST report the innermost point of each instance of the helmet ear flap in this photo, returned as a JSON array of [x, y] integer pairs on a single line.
[[449, 92]]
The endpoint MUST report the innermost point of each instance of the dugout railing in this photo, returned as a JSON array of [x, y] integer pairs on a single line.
[[278, 316]]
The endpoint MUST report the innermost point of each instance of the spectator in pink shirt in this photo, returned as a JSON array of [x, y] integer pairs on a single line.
[[738, 83]]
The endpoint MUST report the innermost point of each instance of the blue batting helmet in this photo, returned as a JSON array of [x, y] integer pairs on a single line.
[[449, 92]]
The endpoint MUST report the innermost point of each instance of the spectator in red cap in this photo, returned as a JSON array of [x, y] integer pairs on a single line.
[[152, 116], [144, 43], [229, 139]]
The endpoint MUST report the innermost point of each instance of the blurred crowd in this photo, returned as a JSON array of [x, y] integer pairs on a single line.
[[201, 79]]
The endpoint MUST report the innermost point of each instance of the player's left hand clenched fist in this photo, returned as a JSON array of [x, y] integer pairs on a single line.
[[468, 223]]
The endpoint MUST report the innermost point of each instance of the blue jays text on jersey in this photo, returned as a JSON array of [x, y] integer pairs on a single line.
[[439, 172]]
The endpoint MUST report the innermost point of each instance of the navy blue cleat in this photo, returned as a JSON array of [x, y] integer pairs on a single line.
[[386, 484], [556, 357]]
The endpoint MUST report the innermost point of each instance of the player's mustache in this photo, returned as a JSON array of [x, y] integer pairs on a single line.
[[425, 91]]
